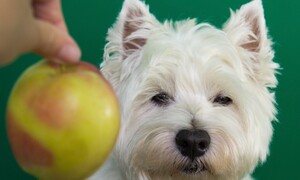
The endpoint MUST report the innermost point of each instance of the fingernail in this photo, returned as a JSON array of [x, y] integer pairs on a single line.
[[70, 53]]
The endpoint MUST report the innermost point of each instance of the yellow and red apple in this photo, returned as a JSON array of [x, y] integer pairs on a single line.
[[62, 120]]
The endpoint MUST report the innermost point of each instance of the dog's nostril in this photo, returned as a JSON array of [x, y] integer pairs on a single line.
[[203, 145], [184, 144], [192, 143]]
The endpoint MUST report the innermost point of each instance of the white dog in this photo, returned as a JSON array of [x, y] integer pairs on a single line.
[[195, 100]]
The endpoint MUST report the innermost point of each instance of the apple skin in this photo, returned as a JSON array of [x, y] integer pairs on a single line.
[[62, 120]]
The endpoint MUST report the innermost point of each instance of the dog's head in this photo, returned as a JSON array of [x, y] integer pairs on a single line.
[[195, 99]]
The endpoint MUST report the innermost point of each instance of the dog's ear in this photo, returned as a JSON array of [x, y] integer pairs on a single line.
[[125, 40], [132, 28], [247, 29]]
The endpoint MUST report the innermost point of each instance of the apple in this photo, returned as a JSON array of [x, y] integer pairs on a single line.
[[62, 120]]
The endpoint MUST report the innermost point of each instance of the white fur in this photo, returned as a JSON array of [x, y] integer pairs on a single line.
[[192, 63]]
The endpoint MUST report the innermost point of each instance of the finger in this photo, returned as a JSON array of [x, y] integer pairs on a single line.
[[55, 44], [50, 11]]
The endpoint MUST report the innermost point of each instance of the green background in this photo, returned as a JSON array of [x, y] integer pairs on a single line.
[[89, 20]]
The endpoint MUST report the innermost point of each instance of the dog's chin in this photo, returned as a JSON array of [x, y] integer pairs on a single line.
[[193, 168]]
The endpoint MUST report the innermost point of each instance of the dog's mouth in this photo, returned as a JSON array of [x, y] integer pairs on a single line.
[[194, 168]]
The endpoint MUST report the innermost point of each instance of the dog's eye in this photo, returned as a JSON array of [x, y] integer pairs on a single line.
[[223, 100], [161, 99]]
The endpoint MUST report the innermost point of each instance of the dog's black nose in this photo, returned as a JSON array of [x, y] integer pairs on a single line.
[[192, 143]]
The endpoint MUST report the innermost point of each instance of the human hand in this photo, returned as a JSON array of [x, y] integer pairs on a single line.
[[37, 26]]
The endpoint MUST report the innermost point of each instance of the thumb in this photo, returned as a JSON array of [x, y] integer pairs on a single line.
[[53, 43]]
